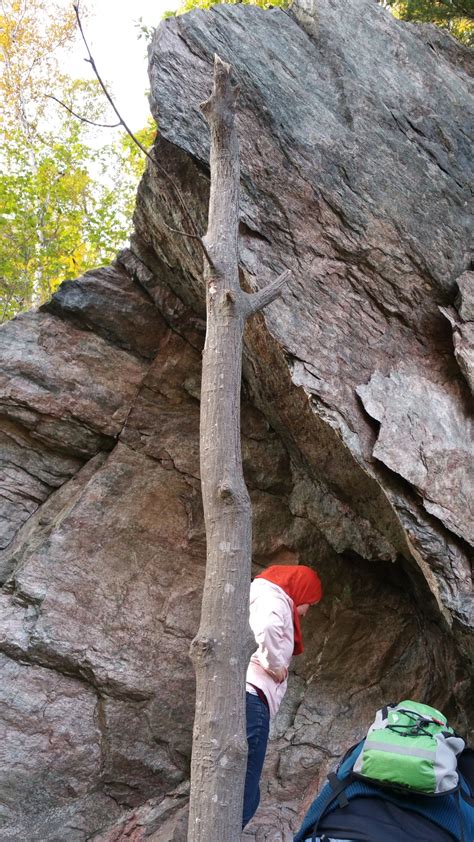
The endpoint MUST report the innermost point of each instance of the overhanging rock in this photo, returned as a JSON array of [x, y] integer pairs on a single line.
[[355, 174]]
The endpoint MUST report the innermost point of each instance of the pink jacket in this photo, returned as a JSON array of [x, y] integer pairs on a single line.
[[271, 620]]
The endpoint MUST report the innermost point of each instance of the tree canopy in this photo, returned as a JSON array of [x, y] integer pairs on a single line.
[[457, 16], [66, 197]]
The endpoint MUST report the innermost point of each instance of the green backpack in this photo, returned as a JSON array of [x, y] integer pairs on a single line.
[[411, 746]]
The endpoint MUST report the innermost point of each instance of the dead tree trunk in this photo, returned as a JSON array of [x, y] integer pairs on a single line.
[[218, 651]]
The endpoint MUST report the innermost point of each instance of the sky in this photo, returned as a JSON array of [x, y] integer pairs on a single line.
[[118, 53]]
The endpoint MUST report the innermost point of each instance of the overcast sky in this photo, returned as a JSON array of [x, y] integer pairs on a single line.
[[119, 55]]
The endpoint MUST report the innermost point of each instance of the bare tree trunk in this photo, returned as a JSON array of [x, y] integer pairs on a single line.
[[219, 649]]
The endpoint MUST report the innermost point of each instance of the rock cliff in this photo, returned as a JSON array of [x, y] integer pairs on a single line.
[[356, 168]]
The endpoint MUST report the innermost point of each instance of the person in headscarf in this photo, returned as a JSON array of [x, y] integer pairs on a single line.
[[279, 597]]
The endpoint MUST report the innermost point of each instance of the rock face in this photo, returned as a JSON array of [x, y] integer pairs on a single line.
[[355, 175]]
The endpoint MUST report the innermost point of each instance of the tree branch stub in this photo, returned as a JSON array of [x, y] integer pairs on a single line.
[[256, 301]]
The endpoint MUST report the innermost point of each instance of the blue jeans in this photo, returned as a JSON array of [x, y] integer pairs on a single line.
[[258, 723]]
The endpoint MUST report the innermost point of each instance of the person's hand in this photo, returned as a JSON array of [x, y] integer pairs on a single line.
[[279, 674]]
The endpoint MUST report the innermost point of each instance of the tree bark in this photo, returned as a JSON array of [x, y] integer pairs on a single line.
[[219, 649]]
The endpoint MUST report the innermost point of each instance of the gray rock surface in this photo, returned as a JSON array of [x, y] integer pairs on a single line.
[[461, 318], [355, 175], [425, 436]]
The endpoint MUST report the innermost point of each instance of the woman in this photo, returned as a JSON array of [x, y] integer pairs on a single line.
[[278, 598]]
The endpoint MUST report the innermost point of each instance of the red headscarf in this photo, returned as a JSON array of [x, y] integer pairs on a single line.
[[302, 584]]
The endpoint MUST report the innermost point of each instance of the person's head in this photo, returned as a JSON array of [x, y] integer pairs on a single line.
[[302, 584]]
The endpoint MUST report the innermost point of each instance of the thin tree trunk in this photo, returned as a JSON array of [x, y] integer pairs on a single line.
[[219, 649]]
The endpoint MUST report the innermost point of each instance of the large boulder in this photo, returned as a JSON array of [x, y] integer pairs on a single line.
[[355, 175]]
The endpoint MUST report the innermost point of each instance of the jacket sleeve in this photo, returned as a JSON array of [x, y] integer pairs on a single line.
[[269, 621]]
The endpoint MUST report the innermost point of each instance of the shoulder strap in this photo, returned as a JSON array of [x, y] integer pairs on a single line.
[[466, 767], [465, 791], [460, 816], [337, 787]]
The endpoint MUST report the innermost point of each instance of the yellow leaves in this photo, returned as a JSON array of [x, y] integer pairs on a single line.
[[66, 203], [59, 219], [451, 16], [133, 158], [75, 263], [463, 30], [31, 32], [188, 5]]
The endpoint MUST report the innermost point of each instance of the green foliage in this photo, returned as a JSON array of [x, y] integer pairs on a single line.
[[62, 211], [55, 221], [144, 30], [131, 164], [66, 202], [457, 16], [188, 5]]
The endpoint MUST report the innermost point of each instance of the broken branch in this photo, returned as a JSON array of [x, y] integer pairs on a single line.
[[258, 300]]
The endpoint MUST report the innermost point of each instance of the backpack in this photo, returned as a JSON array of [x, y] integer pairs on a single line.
[[410, 746], [412, 758]]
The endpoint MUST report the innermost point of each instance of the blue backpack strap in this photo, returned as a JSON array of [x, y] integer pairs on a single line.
[[465, 795], [457, 799], [337, 783], [466, 767], [337, 787]]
